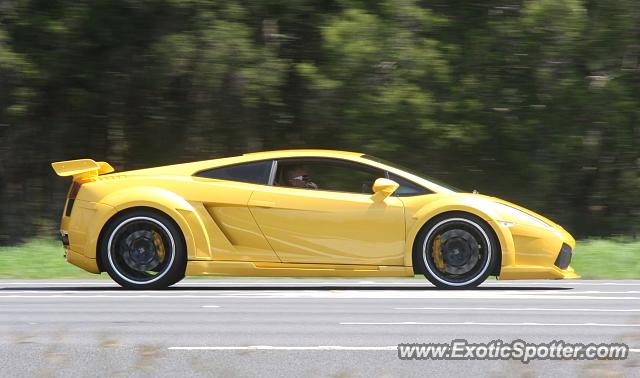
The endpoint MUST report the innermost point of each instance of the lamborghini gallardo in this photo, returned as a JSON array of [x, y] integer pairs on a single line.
[[298, 213]]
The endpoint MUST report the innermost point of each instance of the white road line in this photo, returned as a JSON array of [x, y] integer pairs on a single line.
[[252, 292], [216, 282], [111, 296], [542, 282], [333, 294], [592, 292], [58, 283], [567, 282], [269, 347], [210, 306], [310, 292], [497, 324], [521, 309], [293, 348], [339, 283], [272, 289]]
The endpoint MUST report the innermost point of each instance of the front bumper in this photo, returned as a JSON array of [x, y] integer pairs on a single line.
[[539, 253], [530, 272], [564, 257]]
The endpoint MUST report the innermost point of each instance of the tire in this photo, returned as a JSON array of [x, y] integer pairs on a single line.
[[143, 250], [468, 250]]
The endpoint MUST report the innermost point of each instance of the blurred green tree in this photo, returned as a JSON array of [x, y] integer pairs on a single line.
[[534, 101]]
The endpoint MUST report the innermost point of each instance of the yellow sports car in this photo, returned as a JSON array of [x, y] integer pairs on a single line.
[[298, 213]]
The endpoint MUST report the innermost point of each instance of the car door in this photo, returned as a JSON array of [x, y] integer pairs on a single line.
[[224, 193], [329, 216]]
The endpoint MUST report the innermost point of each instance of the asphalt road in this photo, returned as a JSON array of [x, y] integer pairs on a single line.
[[236, 327]]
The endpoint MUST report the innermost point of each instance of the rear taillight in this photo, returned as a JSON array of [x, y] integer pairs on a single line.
[[73, 193]]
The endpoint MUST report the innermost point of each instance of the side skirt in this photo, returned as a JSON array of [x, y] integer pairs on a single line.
[[269, 269]]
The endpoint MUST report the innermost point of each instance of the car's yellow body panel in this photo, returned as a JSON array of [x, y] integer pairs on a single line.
[[235, 228], [322, 227]]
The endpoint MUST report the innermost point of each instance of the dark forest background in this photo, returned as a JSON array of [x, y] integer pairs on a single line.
[[537, 102]]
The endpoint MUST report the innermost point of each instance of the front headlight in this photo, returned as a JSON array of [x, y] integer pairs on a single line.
[[510, 215]]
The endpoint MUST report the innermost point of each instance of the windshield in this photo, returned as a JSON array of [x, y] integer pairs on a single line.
[[411, 171]]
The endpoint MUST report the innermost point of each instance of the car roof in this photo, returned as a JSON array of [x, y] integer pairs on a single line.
[[301, 152], [191, 168], [188, 169]]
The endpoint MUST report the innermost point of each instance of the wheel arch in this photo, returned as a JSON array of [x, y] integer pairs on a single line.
[[499, 232], [166, 203], [132, 209]]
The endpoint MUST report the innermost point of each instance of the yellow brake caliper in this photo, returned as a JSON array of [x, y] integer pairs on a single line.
[[437, 253], [157, 241]]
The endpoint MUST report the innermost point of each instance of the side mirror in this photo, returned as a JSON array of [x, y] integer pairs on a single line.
[[383, 188]]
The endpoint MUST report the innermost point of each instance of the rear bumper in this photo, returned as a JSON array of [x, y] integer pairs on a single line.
[[81, 230], [81, 261]]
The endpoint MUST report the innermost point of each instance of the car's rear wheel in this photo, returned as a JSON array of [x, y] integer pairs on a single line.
[[143, 249], [456, 251]]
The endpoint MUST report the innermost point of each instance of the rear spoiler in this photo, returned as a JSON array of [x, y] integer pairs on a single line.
[[81, 168]]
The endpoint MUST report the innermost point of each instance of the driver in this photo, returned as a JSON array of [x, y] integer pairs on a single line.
[[297, 176]]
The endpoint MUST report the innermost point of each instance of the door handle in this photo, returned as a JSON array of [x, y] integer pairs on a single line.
[[259, 203]]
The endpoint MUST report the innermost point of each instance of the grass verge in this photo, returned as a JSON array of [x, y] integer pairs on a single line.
[[593, 259], [607, 259], [39, 259]]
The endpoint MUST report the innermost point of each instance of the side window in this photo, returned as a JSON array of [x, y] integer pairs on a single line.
[[252, 173], [407, 188], [326, 174]]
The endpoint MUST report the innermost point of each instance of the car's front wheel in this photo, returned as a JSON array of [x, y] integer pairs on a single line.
[[143, 249], [456, 251]]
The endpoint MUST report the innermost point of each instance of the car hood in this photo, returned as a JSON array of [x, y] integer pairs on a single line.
[[500, 212]]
